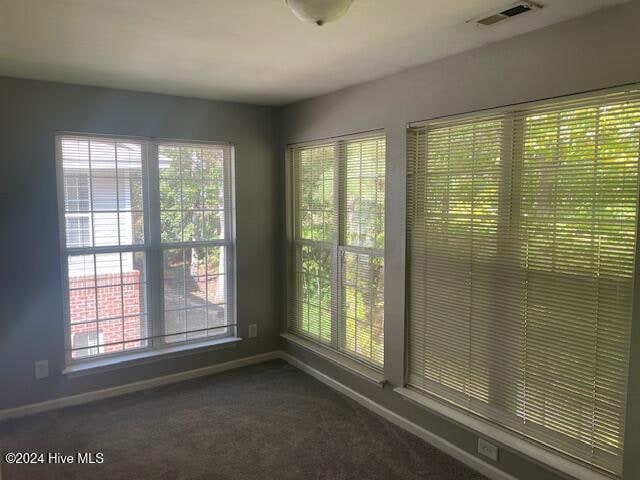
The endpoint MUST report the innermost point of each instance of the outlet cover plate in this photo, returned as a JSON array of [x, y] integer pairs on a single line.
[[253, 330], [41, 369], [487, 449]]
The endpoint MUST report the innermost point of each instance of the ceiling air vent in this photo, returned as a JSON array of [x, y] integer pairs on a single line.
[[514, 10]]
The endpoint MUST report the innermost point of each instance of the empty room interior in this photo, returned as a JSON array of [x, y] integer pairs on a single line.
[[320, 239]]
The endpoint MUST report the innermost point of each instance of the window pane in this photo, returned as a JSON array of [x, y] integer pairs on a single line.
[[108, 269], [196, 323], [171, 225], [454, 198], [78, 228], [363, 306], [194, 292], [81, 270], [111, 335], [110, 301], [117, 304], [76, 191], [105, 229], [193, 192], [578, 213], [314, 292], [175, 322], [82, 303], [102, 192], [363, 184], [135, 331], [85, 341], [314, 189]]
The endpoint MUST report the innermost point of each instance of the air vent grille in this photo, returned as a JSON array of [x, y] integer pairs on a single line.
[[491, 20], [503, 14], [517, 10]]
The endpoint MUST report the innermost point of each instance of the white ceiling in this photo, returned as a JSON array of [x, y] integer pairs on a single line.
[[253, 51]]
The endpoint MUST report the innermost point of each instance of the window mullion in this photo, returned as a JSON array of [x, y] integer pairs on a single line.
[[63, 249], [228, 165], [506, 258], [357, 249], [155, 286], [338, 216], [293, 280], [508, 255]]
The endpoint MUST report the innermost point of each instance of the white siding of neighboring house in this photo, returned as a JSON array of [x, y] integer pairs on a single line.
[[107, 206]]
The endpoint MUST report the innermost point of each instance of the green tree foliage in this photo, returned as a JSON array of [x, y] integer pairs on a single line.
[[315, 207], [191, 195], [580, 173]]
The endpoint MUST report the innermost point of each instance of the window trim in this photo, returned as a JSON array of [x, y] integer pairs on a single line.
[[156, 346], [138, 357], [336, 245], [337, 358], [506, 438], [518, 107]]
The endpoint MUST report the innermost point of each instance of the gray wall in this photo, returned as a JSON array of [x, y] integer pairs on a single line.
[[31, 310], [593, 52]]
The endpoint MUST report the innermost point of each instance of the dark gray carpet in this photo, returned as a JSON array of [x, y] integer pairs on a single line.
[[268, 421]]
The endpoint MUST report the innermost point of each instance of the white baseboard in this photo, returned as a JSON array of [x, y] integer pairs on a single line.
[[440, 443], [133, 387], [445, 446]]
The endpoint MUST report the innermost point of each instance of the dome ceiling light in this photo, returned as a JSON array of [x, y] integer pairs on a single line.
[[319, 11]]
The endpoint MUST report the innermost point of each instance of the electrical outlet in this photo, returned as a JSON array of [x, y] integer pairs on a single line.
[[487, 449], [253, 330], [42, 369]]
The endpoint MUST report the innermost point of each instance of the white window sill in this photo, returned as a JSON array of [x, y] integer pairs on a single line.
[[100, 365], [504, 438], [354, 367]]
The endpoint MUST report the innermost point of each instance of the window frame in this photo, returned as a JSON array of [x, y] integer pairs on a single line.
[[152, 247], [337, 245]]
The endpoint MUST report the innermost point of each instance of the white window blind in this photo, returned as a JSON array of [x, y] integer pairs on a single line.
[[521, 249], [337, 287], [129, 239]]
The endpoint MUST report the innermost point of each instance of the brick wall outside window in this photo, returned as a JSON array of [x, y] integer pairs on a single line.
[[109, 309]]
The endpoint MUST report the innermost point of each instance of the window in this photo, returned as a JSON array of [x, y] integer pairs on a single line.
[[521, 243], [337, 287], [130, 239]]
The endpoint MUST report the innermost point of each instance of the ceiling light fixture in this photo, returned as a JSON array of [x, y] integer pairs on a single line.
[[319, 11]]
